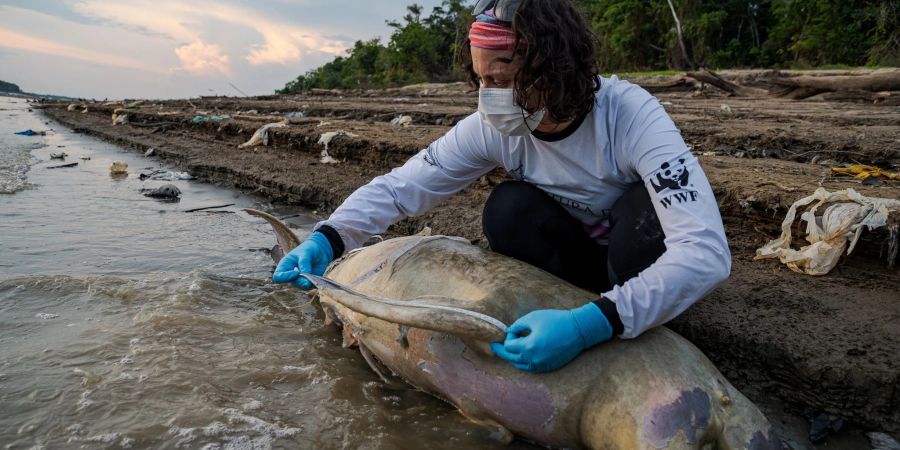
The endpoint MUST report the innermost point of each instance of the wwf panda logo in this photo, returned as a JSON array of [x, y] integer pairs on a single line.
[[670, 177]]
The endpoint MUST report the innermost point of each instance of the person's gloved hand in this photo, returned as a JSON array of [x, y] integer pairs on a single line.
[[547, 339], [312, 256]]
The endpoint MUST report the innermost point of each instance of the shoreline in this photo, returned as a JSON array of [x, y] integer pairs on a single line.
[[825, 343]]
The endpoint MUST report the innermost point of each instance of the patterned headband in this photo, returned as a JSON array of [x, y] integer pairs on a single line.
[[491, 36]]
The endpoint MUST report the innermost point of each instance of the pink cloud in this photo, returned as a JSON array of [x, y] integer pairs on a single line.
[[198, 58]]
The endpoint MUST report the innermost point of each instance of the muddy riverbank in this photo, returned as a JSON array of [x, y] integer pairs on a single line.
[[816, 343]]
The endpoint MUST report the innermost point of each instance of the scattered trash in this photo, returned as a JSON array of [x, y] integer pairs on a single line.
[[295, 115], [85, 158], [166, 175], [208, 207], [262, 135], [166, 192], [119, 119], [864, 172], [30, 132], [58, 155], [326, 138], [201, 119], [72, 107], [402, 121], [150, 152], [118, 168], [85, 110], [666, 103], [830, 233], [252, 111], [725, 108], [134, 104], [63, 166], [882, 441]]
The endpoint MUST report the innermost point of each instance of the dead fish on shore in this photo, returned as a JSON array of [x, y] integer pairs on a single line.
[[425, 308], [164, 192]]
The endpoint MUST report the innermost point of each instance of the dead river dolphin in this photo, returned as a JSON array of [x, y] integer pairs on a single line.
[[424, 308]]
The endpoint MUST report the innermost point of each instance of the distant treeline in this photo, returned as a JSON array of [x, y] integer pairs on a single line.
[[9, 87], [640, 35]]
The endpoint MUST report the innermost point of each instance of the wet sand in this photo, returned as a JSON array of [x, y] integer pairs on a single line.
[[796, 342]]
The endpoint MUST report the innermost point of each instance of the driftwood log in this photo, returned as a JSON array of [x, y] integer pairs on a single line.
[[842, 87]]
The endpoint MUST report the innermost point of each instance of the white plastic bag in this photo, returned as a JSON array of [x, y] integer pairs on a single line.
[[262, 135], [828, 235]]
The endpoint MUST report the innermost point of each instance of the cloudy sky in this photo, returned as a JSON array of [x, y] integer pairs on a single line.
[[179, 48]]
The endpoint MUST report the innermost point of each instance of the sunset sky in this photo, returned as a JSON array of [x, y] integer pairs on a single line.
[[179, 48]]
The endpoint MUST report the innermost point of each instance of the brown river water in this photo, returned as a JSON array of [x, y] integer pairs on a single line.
[[126, 322]]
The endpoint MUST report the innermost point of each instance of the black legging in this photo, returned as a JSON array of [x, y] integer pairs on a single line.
[[523, 222]]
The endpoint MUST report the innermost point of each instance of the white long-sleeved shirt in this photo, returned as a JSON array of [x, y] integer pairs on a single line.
[[627, 138]]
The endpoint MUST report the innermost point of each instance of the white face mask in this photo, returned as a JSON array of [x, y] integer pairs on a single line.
[[498, 109]]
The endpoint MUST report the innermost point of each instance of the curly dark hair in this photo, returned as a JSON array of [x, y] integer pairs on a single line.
[[558, 52]]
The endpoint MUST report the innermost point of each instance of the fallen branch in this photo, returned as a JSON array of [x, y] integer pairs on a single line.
[[207, 207], [63, 166], [737, 90], [804, 86], [678, 85]]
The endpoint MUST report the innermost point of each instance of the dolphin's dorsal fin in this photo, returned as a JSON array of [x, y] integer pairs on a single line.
[[285, 237]]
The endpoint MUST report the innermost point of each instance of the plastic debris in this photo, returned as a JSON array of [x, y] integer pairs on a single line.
[[165, 192], [882, 441], [166, 175], [31, 132], [725, 108], [85, 110], [864, 172], [295, 115], [326, 138], [262, 135], [72, 107], [402, 121], [120, 119], [201, 119], [118, 168], [150, 152], [841, 224], [134, 104], [823, 425], [61, 155]]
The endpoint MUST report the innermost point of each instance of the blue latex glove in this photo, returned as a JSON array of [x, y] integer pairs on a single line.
[[547, 339], [312, 256]]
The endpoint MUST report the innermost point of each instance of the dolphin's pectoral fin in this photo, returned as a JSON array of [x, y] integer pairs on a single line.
[[390, 380], [285, 237], [495, 430]]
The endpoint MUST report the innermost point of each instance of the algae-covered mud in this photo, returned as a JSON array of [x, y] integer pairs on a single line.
[[126, 322]]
